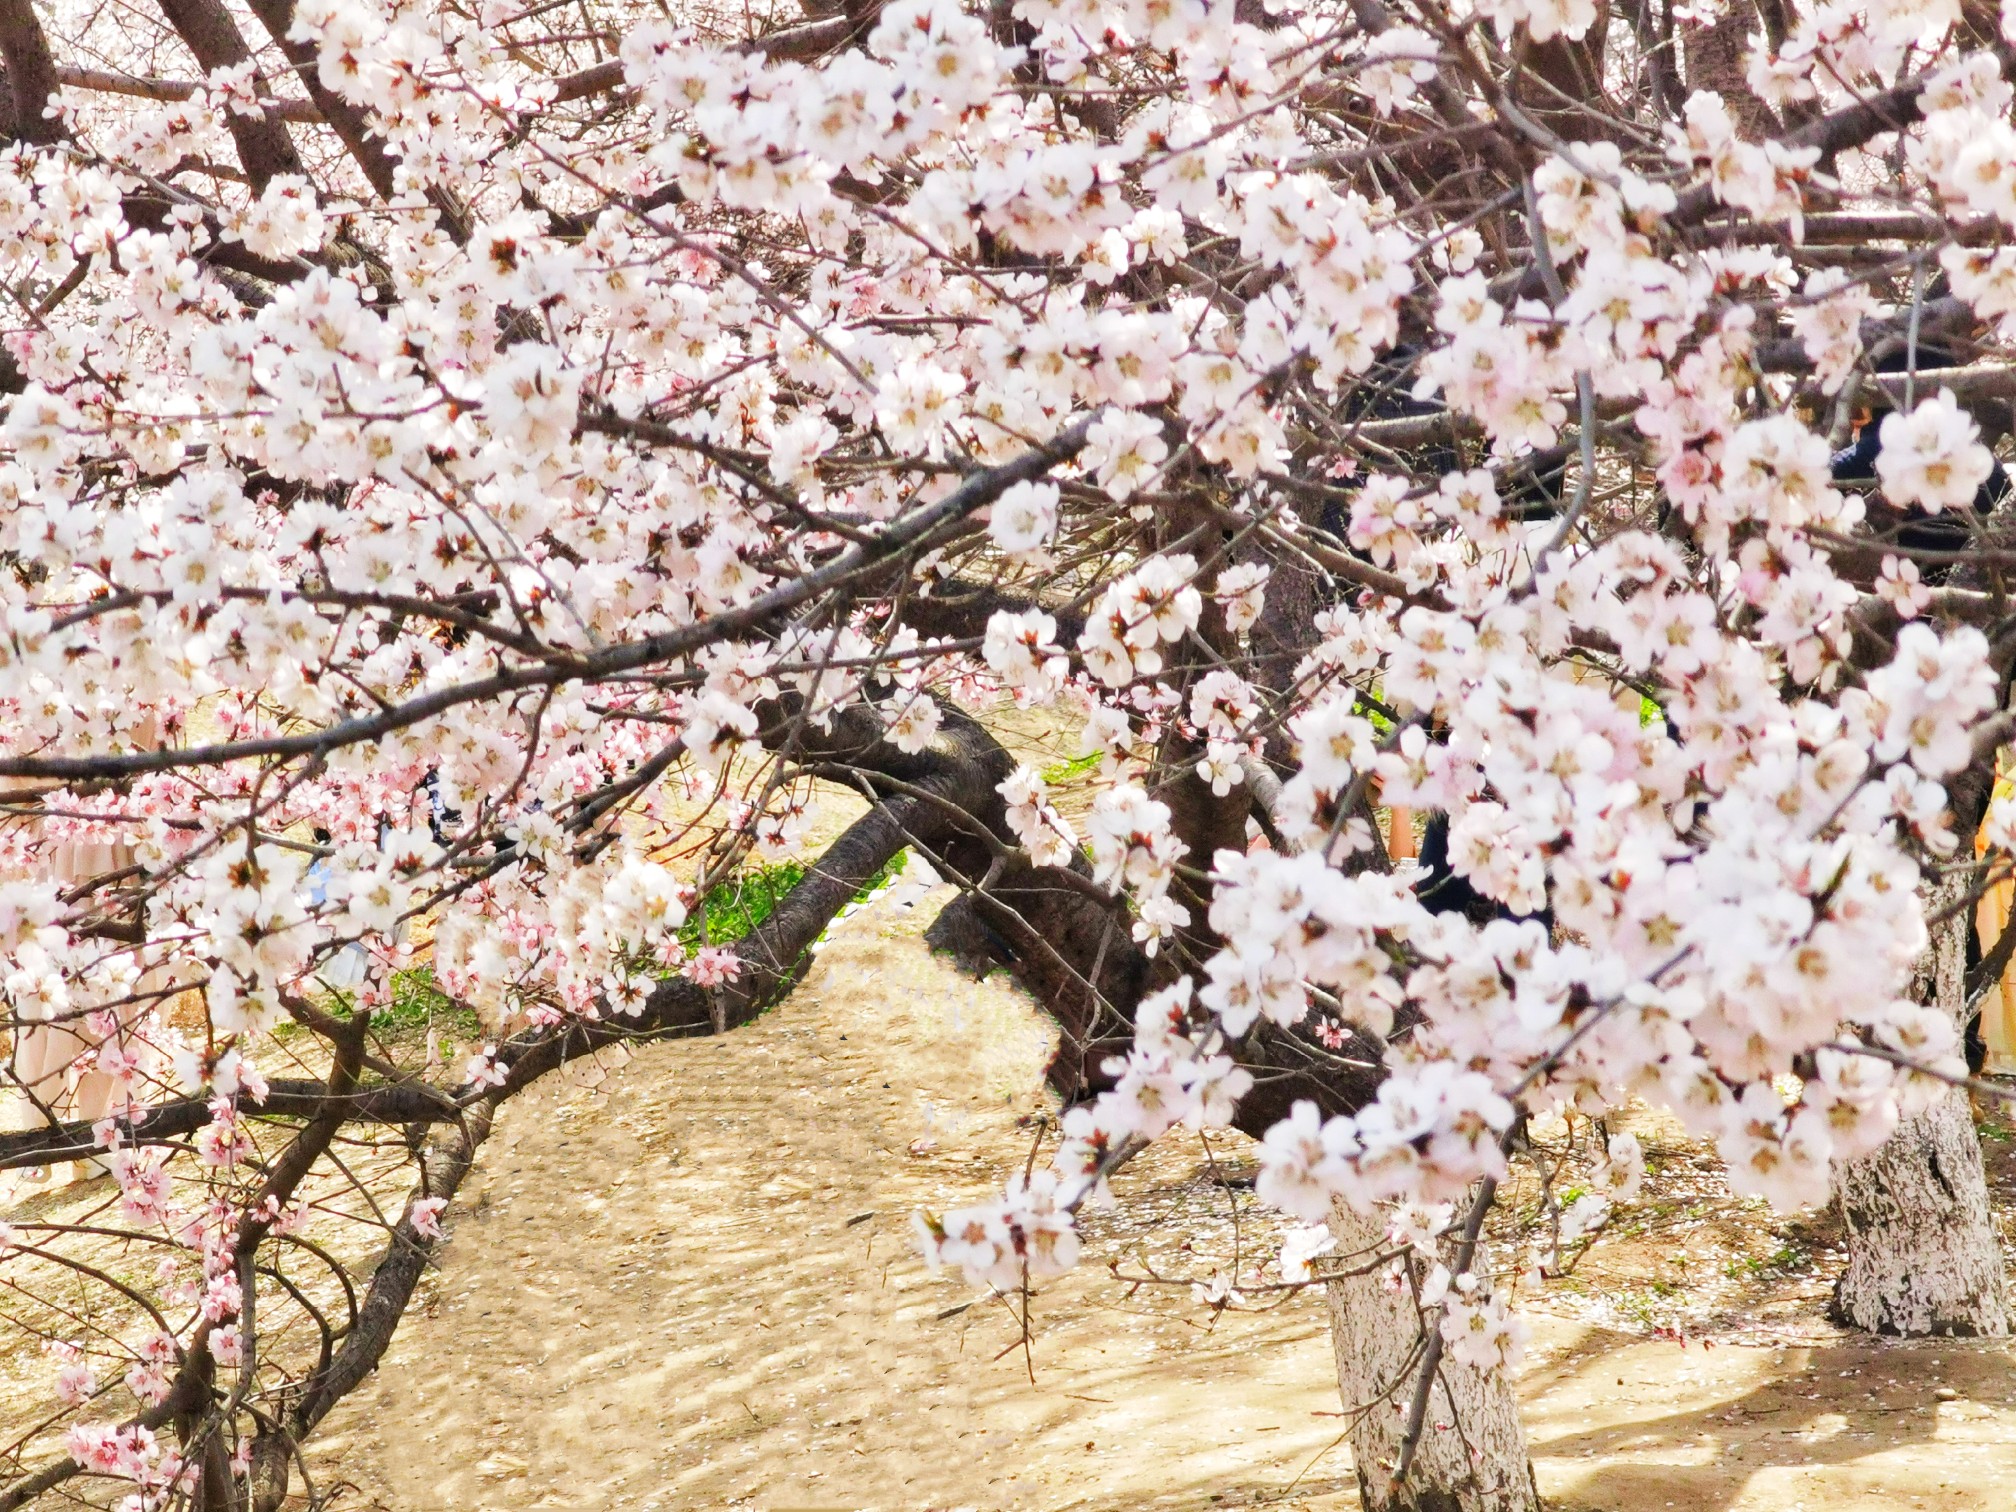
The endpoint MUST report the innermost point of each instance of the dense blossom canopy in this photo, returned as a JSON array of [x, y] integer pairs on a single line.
[[467, 472]]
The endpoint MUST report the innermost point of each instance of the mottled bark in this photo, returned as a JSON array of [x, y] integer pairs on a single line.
[[1472, 1455], [1284, 634], [1923, 1256], [1717, 56], [31, 74]]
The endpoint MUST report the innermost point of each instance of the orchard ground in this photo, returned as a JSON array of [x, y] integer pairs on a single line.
[[688, 1281], [685, 1278]]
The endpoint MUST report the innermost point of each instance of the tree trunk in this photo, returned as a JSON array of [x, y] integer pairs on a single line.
[[1472, 1455], [1717, 59], [1923, 1256]]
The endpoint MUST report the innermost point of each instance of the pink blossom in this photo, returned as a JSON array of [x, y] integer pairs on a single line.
[[711, 966], [425, 1215]]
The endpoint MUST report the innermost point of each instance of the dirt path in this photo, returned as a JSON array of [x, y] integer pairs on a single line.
[[691, 1284]]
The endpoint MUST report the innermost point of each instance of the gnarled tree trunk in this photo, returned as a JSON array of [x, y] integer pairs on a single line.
[[1472, 1453], [1076, 955], [1923, 1256]]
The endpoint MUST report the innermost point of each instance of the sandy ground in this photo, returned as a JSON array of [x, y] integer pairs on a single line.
[[694, 1285], [687, 1281]]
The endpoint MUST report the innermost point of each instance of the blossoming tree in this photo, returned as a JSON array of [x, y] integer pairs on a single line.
[[468, 468]]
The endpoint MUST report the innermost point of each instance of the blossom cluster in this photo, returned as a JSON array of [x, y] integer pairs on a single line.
[[467, 541]]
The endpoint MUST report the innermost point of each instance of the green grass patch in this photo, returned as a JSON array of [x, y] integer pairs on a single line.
[[1755, 1267], [419, 1004], [734, 907], [1077, 766], [740, 904], [887, 873], [730, 910]]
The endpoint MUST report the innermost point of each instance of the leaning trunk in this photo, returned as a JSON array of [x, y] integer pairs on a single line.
[[1472, 1451], [1923, 1257]]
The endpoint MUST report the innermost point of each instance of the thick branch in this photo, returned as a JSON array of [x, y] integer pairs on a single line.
[[170, 91], [206, 28], [31, 73], [366, 147], [1835, 133], [290, 1098], [920, 530]]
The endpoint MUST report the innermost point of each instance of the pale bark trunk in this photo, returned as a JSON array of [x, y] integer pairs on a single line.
[[1472, 1455], [1923, 1255]]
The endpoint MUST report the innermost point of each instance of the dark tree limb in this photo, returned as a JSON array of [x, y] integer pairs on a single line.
[[919, 530], [31, 73], [264, 148], [367, 148]]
